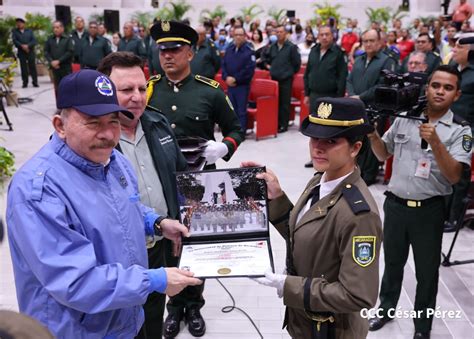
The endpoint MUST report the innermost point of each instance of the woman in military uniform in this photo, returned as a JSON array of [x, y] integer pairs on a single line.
[[333, 232]]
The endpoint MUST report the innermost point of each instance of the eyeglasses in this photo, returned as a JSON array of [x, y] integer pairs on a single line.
[[421, 41]]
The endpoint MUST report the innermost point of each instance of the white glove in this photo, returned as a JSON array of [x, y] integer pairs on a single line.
[[214, 151], [273, 280]]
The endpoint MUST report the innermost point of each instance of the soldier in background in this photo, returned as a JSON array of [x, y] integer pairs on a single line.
[[206, 60], [130, 43], [59, 51], [25, 41], [78, 35], [94, 48]]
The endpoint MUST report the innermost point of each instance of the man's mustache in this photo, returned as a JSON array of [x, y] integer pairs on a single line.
[[104, 144]]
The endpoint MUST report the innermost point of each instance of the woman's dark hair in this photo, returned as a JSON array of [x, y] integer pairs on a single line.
[[260, 34], [353, 140]]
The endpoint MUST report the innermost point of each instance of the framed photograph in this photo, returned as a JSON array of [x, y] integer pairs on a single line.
[[226, 212]]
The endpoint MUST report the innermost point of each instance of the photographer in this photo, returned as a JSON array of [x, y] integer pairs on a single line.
[[414, 207]]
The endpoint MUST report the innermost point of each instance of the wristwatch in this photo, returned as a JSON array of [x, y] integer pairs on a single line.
[[157, 226]]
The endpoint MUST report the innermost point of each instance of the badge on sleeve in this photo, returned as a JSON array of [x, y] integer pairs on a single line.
[[363, 250], [466, 142]]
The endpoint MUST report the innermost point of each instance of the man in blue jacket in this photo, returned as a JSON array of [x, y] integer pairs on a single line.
[[76, 225], [149, 143], [238, 66]]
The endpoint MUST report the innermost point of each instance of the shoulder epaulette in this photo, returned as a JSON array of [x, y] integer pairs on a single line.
[[154, 78], [355, 199], [150, 84], [460, 120], [207, 81]]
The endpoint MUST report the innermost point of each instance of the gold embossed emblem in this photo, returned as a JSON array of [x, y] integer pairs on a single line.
[[324, 110], [224, 270], [165, 26]]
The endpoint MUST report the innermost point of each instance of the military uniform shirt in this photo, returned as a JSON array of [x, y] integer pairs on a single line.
[[206, 60], [404, 142], [151, 190], [194, 106], [134, 45]]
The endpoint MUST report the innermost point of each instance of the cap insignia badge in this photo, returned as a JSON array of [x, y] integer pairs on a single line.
[[104, 86], [324, 110], [165, 26]]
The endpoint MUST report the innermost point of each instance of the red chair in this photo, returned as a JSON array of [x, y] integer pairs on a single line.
[[302, 69], [304, 109], [76, 68], [265, 116], [221, 81], [296, 96], [261, 74]]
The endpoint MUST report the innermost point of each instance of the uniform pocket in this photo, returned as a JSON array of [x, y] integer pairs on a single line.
[[401, 141]]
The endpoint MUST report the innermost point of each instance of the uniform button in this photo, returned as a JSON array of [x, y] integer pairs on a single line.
[[176, 89], [348, 186], [197, 118], [174, 108], [173, 125], [148, 188], [331, 202], [40, 173]]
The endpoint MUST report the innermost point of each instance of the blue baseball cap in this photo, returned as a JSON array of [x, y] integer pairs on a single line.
[[90, 92]]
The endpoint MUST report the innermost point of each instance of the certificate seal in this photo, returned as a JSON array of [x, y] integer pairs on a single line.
[[224, 270]]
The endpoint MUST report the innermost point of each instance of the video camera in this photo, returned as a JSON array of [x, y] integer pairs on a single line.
[[400, 93]]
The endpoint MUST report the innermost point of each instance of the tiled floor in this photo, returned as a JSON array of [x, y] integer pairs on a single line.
[[286, 155]]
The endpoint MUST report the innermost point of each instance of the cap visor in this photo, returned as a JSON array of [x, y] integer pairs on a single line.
[[98, 110], [325, 132], [170, 45]]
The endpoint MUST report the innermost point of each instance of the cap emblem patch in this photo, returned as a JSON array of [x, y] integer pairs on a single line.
[[324, 110], [165, 26], [104, 86]]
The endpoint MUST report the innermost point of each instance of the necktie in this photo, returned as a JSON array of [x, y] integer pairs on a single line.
[[315, 195]]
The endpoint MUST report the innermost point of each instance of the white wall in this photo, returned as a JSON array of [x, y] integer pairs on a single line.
[[304, 9]]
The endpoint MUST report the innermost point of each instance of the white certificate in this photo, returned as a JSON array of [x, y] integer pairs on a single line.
[[227, 259]]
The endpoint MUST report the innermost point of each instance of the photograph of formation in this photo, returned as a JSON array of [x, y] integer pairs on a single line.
[[223, 202]]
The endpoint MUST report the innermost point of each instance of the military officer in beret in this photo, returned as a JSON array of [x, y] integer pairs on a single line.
[[414, 207], [193, 104], [333, 232]]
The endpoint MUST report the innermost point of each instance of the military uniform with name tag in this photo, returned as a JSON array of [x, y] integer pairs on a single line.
[[415, 209], [193, 106], [333, 242]]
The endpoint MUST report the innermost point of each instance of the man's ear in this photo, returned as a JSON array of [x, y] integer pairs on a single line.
[[58, 124]]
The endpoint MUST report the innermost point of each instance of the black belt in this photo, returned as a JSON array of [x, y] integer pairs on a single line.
[[412, 203]]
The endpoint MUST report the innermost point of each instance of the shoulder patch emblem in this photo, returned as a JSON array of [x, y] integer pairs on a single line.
[[466, 142], [207, 81], [363, 250]]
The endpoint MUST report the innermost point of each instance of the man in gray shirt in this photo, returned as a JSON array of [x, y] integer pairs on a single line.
[[414, 207]]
